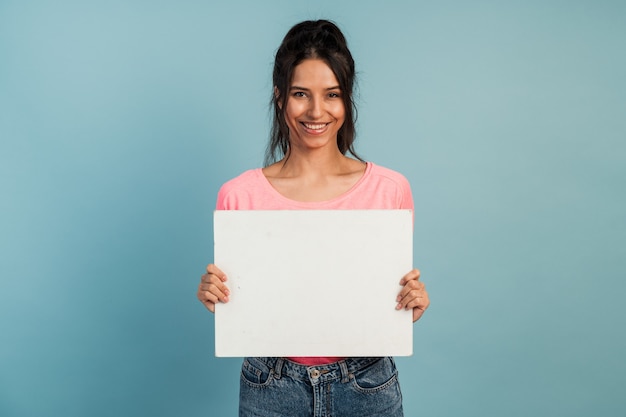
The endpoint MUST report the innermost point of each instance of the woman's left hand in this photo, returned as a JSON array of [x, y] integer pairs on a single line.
[[413, 295]]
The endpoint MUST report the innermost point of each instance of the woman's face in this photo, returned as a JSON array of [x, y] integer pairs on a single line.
[[314, 111]]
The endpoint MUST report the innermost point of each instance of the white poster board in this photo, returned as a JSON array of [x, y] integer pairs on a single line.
[[313, 282]]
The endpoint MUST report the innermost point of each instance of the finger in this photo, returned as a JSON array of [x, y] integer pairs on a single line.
[[413, 291], [421, 301], [412, 285], [205, 298], [411, 299], [211, 269], [219, 290], [214, 285], [419, 306], [206, 292], [213, 281], [414, 274]]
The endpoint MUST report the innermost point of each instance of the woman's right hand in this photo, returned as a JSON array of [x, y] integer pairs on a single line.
[[212, 288]]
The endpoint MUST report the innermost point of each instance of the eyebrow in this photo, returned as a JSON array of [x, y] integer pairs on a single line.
[[295, 87]]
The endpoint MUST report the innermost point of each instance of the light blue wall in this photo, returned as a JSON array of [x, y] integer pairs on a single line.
[[120, 119]]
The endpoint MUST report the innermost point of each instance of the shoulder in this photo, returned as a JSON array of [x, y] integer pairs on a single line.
[[245, 179], [232, 190], [382, 173], [389, 186]]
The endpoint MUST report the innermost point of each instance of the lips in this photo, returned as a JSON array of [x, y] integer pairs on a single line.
[[316, 127]]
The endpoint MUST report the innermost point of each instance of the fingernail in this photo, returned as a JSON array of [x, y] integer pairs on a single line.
[[399, 306]]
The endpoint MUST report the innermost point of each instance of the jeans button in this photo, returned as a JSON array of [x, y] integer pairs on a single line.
[[315, 373]]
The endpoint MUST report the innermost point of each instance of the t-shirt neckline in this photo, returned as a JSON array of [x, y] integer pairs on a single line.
[[268, 185]]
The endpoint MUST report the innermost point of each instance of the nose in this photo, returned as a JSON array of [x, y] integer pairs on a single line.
[[316, 108]]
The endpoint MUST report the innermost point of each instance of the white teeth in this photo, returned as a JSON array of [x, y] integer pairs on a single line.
[[314, 126]]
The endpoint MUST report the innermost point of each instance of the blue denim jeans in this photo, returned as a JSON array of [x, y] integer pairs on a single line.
[[277, 387]]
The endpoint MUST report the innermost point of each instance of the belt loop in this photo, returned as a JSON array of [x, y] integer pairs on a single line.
[[278, 367], [345, 374]]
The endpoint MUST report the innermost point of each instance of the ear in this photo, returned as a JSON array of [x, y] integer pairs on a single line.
[[277, 97]]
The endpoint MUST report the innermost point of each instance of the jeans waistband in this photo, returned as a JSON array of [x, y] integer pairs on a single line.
[[342, 369]]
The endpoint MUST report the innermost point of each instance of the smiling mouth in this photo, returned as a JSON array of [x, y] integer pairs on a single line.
[[314, 126]]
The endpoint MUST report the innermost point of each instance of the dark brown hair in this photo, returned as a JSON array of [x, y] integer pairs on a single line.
[[311, 39]]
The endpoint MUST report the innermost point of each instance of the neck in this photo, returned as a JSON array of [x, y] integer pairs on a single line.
[[320, 161]]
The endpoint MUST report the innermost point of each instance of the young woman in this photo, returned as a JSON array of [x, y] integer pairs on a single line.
[[307, 168]]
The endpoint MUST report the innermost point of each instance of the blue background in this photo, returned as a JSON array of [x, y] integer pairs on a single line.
[[119, 120]]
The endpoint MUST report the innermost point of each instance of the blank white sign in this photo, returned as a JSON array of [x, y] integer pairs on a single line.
[[313, 282]]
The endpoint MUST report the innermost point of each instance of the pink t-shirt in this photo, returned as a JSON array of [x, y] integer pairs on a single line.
[[379, 188]]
